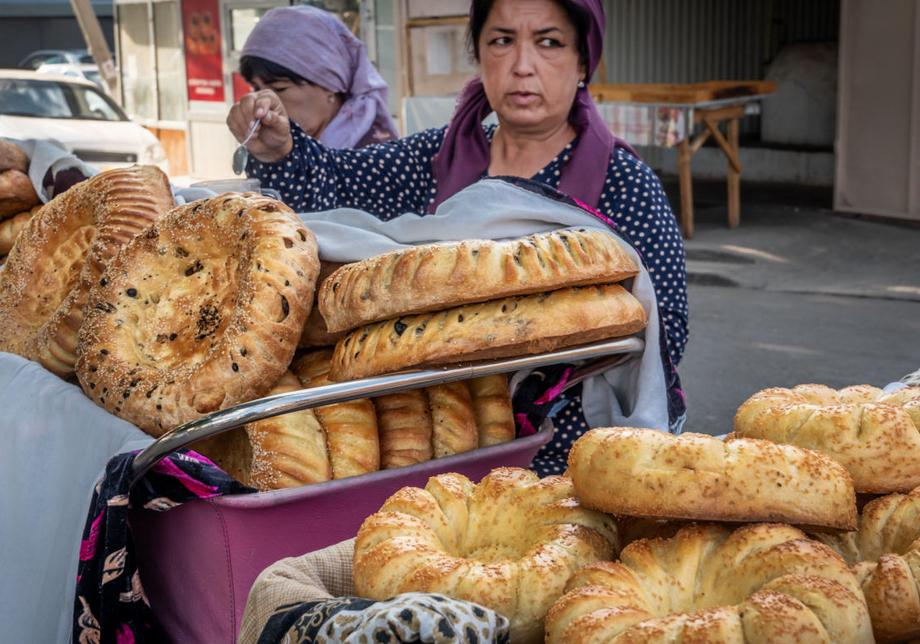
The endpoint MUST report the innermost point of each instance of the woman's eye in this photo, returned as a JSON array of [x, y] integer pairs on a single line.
[[549, 42], [501, 40]]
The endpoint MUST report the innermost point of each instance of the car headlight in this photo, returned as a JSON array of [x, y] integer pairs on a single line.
[[153, 154]]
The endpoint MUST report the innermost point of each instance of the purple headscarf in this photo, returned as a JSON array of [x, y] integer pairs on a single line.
[[318, 47], [465, 155]]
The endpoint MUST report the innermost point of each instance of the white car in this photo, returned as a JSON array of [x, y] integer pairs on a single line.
[[77, 116], [76, 63]]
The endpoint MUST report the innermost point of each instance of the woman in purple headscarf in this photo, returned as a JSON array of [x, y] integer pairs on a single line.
[[320, 73], [535, 58]]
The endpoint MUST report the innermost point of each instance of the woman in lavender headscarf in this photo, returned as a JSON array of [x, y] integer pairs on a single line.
[[535, 58], [320, 73]]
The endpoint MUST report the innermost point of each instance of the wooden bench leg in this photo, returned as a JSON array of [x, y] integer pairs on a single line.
[[734, 178], [686, 188]]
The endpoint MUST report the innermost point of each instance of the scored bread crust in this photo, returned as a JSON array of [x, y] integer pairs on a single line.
[[61, 254], [884, 553], [405, 428], [508, 543], [511, 326], [350, 427], [649, 473], [453, 419], [10, 229], [708, 583], [199, 313], [275, 453], [492, 406], [433, 276], [16, 193], [876, 436]]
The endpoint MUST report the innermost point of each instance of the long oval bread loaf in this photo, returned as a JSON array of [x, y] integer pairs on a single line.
[[512, 326], [435, 276], [875, 435], [648, 473]]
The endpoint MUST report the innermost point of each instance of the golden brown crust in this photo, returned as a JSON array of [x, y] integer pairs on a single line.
[[199, 313], [275, 453], [435, 276], [405, 427], [12, 157], [508, 543], [648, 473], [512, 326], [61, 254], [492, 407], [453, 419], [875, 436], [16, 193], [315, 333], [884, 553], [350, 427], [10, 229], [758, 583]]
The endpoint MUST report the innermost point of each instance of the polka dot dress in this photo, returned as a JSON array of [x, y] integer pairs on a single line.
[[389, 179]]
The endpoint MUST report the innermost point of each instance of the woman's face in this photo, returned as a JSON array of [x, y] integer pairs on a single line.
[[308, 105], [529, 63]]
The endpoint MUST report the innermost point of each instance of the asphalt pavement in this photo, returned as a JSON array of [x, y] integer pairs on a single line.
[[796, 294]]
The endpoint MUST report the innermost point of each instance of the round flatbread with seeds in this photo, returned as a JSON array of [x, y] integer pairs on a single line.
[[62, 252], [201, 312]]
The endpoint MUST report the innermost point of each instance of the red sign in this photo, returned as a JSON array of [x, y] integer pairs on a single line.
[[240, 86], [204, 69]]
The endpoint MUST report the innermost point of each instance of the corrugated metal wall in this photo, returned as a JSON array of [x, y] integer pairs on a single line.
[[686, 41]]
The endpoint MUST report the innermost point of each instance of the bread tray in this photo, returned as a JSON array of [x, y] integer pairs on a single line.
[[280, 404], [198, 561]]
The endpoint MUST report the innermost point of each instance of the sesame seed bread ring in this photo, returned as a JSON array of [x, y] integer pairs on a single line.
[[876, 436], [62, 252], [512, 326], [435, 276], [201, 312], [509, 543], [757, 583], [884, 553], [649, 473]]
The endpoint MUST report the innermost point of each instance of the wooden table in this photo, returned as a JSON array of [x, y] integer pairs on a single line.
[[704, 104]]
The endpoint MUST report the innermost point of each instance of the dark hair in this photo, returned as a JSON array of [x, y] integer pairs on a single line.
[[255, 67], [576, 13]]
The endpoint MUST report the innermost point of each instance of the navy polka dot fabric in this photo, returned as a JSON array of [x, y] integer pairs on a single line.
[[390, 179]]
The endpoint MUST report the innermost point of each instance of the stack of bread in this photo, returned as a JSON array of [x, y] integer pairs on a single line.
[[687, 571], [18, 199]]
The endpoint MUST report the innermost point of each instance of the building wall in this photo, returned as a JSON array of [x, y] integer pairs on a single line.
[[20, 35]]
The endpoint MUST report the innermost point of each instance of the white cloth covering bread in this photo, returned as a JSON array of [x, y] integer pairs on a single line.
[[509, 543], [884, 553], [648, 473], [876, 436], [437, 276], [200, 312], [350, 427], [60, 255], [517, 325], [758, 583]]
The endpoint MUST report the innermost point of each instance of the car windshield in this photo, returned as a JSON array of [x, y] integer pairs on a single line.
[[56, 100]]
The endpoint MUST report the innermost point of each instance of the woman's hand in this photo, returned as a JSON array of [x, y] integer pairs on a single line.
[[272, 142]]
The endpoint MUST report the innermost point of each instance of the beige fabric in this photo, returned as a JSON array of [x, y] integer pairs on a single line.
[[314, 576]]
